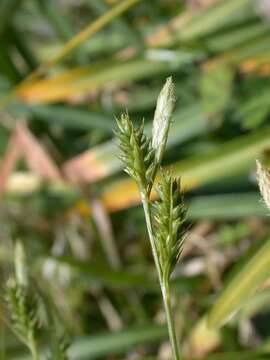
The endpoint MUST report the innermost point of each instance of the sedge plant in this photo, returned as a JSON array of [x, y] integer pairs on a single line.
[[23, 304], [27, 308], [166, 218]]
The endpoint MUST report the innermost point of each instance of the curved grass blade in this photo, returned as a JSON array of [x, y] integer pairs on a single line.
[[243, 285], [87, 79]]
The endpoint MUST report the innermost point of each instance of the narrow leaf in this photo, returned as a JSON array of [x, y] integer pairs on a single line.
[[242, 286]]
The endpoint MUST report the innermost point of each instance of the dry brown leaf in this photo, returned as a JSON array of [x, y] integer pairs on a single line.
[[84, 168], [36, 156], [9, 161], [23, 144]]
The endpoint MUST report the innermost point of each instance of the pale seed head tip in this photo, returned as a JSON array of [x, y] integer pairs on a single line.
[[162, 118], [20, 264], [258, 164], [263, 178]]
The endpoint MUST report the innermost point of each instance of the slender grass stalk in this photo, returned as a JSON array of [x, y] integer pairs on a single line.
[[149, 224], [166, 293], [165, 220], [33, 348], [92, 29], [165, 287]]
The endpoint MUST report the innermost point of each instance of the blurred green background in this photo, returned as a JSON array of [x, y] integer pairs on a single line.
[[67, 69]]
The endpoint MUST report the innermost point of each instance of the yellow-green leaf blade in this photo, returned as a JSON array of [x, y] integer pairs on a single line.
[[243, 285]]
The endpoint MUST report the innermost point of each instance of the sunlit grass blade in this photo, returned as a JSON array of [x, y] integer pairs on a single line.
[[249, 278], [89, 79]]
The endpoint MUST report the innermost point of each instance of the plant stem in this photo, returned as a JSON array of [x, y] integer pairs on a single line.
[[149, 225], [33, 348], [170, 321], [165, 288]]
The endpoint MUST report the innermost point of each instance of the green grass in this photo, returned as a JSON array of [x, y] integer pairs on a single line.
[[68, 69]]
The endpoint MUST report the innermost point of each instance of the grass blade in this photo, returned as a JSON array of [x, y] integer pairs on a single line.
[[93, 347], [226, 206], [243, 285], [91, 78], [212, 18]]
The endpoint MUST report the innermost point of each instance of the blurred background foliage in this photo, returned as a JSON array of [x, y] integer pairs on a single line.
[[67, 69]]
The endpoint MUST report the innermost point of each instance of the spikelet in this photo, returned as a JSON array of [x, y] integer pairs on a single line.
[[170, 219], [23, 309], [22, 303], [137, 153], [263, 178]]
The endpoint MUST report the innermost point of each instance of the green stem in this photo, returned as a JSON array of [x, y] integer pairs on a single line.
[[170, 322], [33, 348], [149, 225], [165, 288]]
